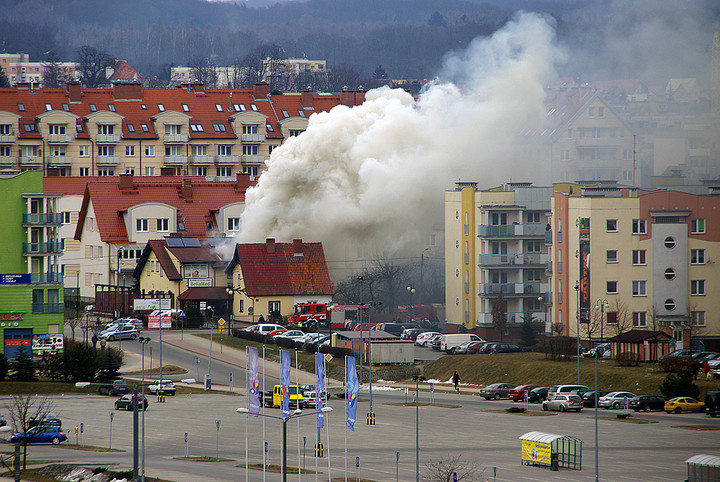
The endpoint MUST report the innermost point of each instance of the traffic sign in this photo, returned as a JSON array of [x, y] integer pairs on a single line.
[[221, 329], [221, 322], [328, 357]]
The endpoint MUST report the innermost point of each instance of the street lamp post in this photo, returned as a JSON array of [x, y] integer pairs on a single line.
[[601, 305], [577, 329], [417, 379], [144, 341], [297, 413], [212, 323], [411, 290]]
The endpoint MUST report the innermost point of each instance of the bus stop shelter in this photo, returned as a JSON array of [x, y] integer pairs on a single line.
[[703, 468], [551, 450]]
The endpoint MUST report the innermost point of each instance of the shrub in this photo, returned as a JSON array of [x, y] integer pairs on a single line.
[[628, 359], [676, 364], [23, 366], [558, 347], [515, 410], [679, 385]]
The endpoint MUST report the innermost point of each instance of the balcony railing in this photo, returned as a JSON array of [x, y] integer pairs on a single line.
[[42, 218], [226, 159], [599, 142], [60, 160], [51, 247], [5, 160], [485, 317], [519, 259], [176, 137], [53, 278], [548, 237], [107, 138], [30, 160], [535, 289], [40, 308], [510, 230], [253, 138], [252, 159], [202, 159], [59, 138], [175, 160], [108, 160], [7, 138]]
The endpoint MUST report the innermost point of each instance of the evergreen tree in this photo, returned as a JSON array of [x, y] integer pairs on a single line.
[[3, 367], [79, 362], [23, 366], [109, 367], [529, 333], [679, 385]]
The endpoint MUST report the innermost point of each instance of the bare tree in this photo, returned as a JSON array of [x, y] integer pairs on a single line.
[[204, 70], [444, 469], [623, 318], [26, 408], [53, 74], [499, 315], [343, 76], [262, 65], [93, 63], [593, 326]]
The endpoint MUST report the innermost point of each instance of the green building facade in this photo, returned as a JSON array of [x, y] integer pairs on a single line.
[[31, 284]]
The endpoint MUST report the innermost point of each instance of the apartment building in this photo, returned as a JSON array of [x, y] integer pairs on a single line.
[[19, 69], [626, 258], [497, 254], [31, 282], [188, 131]]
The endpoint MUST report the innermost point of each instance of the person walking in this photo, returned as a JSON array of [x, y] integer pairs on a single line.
[[456, 381], [706, 369]]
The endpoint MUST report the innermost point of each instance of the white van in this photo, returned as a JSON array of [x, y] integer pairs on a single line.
[[564, 389], [448, 342]]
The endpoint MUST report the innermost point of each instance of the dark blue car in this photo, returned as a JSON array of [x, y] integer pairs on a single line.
[[40, 435]]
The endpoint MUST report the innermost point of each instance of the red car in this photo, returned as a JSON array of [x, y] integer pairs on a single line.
[[277, 332], [518, 393]]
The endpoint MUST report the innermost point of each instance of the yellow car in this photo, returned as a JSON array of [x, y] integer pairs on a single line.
[[683, 404]]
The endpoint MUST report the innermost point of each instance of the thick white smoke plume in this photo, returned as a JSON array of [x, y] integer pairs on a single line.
[[377, 172]]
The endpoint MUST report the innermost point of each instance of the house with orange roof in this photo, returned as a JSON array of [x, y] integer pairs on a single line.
[[119, 216], [270, 278]]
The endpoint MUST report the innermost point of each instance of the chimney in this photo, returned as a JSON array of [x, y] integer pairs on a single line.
[[74, 91], [307, 98], [242, 182], [186, 191], [127, 91], [198, 87], [126, 182], [261, 90], [297, 247], [270, 245], [346, 97]]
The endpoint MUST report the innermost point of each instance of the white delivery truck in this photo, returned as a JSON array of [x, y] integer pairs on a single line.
[[447, 342]]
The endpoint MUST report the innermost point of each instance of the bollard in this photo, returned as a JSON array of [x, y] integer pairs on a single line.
[[371, 418], [319, 450], [161, 396]]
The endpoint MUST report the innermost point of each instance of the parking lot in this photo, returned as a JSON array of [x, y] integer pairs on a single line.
[[479, 431]]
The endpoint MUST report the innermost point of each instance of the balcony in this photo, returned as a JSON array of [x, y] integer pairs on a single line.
[[226, 159], [512, 317], [7, 138], [252, 159], [176, 160], [548, 237], [510, 230], [60, 160], [172, 138], [514, 289], [7, 160], [256, 138], [30, 160], [518, 259], [59, 138], [108, 160], [40, 308], [609, 142], [202, 159], [43, 248], [42, 218], [49, 278], [107, 138]]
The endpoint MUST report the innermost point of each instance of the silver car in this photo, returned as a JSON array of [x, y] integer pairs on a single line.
[[563, 403]]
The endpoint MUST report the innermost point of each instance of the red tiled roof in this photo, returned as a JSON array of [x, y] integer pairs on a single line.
[[158, 247], [123, 71], [282, 272], [110, 202], [209, 293]]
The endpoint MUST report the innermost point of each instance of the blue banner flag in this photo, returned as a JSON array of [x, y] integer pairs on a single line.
[[320, 372], [253, 399], [353, 387], [285, 359]]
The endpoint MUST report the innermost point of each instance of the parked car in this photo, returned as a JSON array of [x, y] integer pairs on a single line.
[[126, 402], [487, 347], [311, 398], [647, 403], [167, 387], [538, 395], [683, 353], [615, 399], [48, 420], [496, 391], [588, 397], [291, 335], [434, 343], [316, 341], [411, 333], [464, 348], [277, 332], [115, 387], [683, 404], [423, 338], [566, 389], [3, 422], [506, 348], [264, 328], [518, 393], [42, 434], [712, 403], [120, 332], [563, 403]]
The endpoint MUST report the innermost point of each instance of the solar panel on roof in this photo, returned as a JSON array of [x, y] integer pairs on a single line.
[[191, 242], [174, 242]]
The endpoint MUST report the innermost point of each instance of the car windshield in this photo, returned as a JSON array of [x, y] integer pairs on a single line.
[[574, 398]]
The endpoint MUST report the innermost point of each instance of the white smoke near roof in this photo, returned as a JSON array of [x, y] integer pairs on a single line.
[[377, 172]]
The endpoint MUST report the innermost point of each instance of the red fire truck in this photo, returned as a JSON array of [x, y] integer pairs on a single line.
[[305, 314]]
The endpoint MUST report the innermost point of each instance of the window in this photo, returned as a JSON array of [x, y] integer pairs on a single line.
[[201, 171], [296, 132], [218, 107], [105, 129], [601, 111], [669, 242], [5, 129], [141, 225], [697, 318], [697, 256], [4, 151], [84, 171], [130, 128], [130, 151], [669, 274], [301, 113], [697, 287], [269, 128], [639, 319], [66, 217], [251, 170], [239, 107], [533, 218], [533, 246], [173, 150], [534, 275], [196, 127], [130, 170], [249, 129], [108, 171], [111, 107], [66, 108], [285, 113], [639, 257], [224, 171], [93, 108], [108, 151], [58, 129], [250, 150], [639, 288], [273, 306], [21, 107], [145, 128], [150, 151], [611, 226], [611, 317], [143, 106], [30, 128], [254, 107], [639, 226], [233, 224], [149, 171], [224, 150], [697, 226], [669, 304], [172, 129], [611, 256], [48, 107], [161, 107], [163, 224], [611, 287], [219, 127]]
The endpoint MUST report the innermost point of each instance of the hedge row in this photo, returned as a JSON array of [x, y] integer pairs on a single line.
[[290, 344]]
